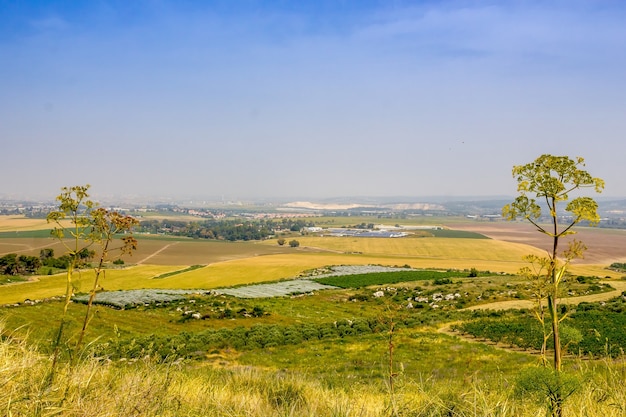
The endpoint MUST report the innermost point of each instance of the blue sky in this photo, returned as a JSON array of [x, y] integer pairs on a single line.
[[259, 99]]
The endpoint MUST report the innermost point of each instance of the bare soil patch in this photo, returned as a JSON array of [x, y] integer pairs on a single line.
[[604, 246], [198, 251]]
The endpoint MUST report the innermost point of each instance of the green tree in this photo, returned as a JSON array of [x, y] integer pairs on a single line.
[[29, 264], [9, 264], [46, 254], [550, 181], [294, 243]]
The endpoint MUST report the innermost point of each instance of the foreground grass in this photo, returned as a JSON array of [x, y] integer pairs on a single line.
[[97, 387]]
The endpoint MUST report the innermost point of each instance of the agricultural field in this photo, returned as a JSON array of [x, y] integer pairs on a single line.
[[604, 246], [416, 314], [220, 264], [21, 223]]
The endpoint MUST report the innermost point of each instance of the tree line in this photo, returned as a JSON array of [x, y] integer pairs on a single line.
[[12, 264], [231, 230]]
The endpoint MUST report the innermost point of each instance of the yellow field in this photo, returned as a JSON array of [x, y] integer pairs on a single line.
[[13, 223], [20, 223], [432, 248]]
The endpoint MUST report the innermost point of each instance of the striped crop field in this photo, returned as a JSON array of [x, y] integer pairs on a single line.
[[432, 248]]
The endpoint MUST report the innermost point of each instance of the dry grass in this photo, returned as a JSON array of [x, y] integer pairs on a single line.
[[101, 388]]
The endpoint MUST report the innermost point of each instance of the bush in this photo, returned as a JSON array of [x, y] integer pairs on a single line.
[[258, 311], [547, 387], [294, 243]]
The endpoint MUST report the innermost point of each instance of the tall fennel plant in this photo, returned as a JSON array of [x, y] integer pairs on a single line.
[[551, 180], [80, 225]]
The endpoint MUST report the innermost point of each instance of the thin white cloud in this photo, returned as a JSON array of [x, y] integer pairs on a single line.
[[50, 23], [543, 31]]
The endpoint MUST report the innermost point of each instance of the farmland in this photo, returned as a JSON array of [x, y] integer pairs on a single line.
[[339, 337]]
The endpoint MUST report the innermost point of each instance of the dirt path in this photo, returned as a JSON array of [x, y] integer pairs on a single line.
[[157, 252], [28, 247]]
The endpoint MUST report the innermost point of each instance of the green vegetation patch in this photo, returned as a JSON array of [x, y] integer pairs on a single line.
[[26, 234], [258, 336], [618, 266], [382, 278], [10, 279], [457, 234], [595, 329], [169, 274]]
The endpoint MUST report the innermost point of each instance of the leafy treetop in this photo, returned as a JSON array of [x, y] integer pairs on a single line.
[[552, 179]]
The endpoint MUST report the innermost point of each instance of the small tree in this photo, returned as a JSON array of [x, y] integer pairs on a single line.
[[281, 241], [551, 180], [294, 243]]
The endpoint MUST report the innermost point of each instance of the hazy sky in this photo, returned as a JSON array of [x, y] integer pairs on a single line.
[[247, 99]]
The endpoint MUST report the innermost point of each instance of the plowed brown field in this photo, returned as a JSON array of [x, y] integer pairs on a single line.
[[604, 246]]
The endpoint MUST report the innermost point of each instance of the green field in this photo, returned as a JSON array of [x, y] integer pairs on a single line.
[[384, 278]]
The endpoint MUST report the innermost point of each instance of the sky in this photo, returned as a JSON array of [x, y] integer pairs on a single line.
[[245, 99]]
